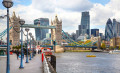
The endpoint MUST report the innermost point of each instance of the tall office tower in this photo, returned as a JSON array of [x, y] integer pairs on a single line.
[[85, 24], [79, 27], [41, 33], [109, 30], [77, 33], [114, 28], [118, 28], [95, 32], [101, 35], [73, 36]]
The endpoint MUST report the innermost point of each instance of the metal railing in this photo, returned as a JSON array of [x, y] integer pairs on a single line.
[[47, 67]]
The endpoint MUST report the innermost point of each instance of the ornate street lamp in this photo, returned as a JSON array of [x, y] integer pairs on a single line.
[[27, 29], [22, 22], [33, 47], [8, 4], [30, 45]]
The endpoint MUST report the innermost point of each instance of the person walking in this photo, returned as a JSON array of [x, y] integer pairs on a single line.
[[17, 52], [38, 51]]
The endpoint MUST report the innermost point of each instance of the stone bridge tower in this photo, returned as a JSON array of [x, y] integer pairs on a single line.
[[14, 32], [56, 34]]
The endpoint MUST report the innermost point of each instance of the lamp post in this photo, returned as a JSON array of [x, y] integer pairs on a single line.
[[30, 45], [27, 29], [8, 4], [22, 22]]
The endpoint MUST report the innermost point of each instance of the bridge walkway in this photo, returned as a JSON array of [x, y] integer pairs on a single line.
[[34, 65]]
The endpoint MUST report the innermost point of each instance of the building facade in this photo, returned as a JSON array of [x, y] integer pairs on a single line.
[[73, 36], [77, 33], [41, 33], [115, 42], [85, 24], [14, 34], [95, 32], [109, 30]]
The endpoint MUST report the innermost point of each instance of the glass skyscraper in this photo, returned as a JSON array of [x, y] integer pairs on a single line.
[[109, 30], [41, 33], [95, 32], [116, 28], [85, 24]]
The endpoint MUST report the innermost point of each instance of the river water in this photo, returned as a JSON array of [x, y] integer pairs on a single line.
[[77, 62]]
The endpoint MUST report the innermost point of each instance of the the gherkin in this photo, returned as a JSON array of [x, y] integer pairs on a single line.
[[109, 30]]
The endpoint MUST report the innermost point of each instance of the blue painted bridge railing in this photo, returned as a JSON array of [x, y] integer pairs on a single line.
[[83, 46], [49, 46]]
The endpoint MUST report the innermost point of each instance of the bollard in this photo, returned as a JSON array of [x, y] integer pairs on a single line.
[[42, 57]]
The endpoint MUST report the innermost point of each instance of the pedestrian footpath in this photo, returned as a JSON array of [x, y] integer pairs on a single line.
[[34, 65]]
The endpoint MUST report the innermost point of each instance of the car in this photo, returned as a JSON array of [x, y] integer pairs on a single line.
[[47, 51]]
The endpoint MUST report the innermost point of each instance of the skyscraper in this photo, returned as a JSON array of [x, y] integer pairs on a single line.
[[73, 36], [79, 27], [77, 33], [85, 24], [109, 30], [95, 32], [41, 33], [116, 28]]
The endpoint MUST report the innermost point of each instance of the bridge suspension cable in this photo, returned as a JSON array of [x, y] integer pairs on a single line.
[[69, 40]]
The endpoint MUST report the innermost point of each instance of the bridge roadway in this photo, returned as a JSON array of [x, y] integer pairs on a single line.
[[38, 26], [34, 66]]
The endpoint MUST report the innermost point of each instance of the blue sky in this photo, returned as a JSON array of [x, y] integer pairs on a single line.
[[17, 2], [28, 2], [103, 2]]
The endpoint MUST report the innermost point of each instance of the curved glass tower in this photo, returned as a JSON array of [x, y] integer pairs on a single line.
[[109, 30]]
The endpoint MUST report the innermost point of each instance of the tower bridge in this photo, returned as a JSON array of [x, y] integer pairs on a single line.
[[57, 34]]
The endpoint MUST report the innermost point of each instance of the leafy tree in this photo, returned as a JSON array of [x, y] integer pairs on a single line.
[[71, 44], [103, 46], [111, 47], [119, 46], [80, 42]]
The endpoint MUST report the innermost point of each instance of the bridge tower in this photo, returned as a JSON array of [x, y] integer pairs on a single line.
[[56, 34], [14, 34]]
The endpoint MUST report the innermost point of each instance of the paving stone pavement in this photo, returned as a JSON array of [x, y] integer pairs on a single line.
[[34, 65]]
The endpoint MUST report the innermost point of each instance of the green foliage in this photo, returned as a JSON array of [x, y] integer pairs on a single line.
[[71, 44], [119, 47], [111, 47], [47, 44], [103, 46], [80, 42], [95, 44], [17, 47]]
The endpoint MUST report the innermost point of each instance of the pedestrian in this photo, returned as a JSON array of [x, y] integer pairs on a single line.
[[38, 51], [17, 52]]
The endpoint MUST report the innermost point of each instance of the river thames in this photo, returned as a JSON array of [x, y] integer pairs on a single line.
[[77, 62]]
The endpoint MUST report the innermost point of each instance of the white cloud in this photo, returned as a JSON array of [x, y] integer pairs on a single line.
[[44, 5], [74, 5], [69, 11]]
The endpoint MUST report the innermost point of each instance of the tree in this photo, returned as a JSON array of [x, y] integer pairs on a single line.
[[71, 44], [103, 46], [80, 42], [119, 46]]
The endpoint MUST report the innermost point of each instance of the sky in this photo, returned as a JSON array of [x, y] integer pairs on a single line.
[[69, 11]]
